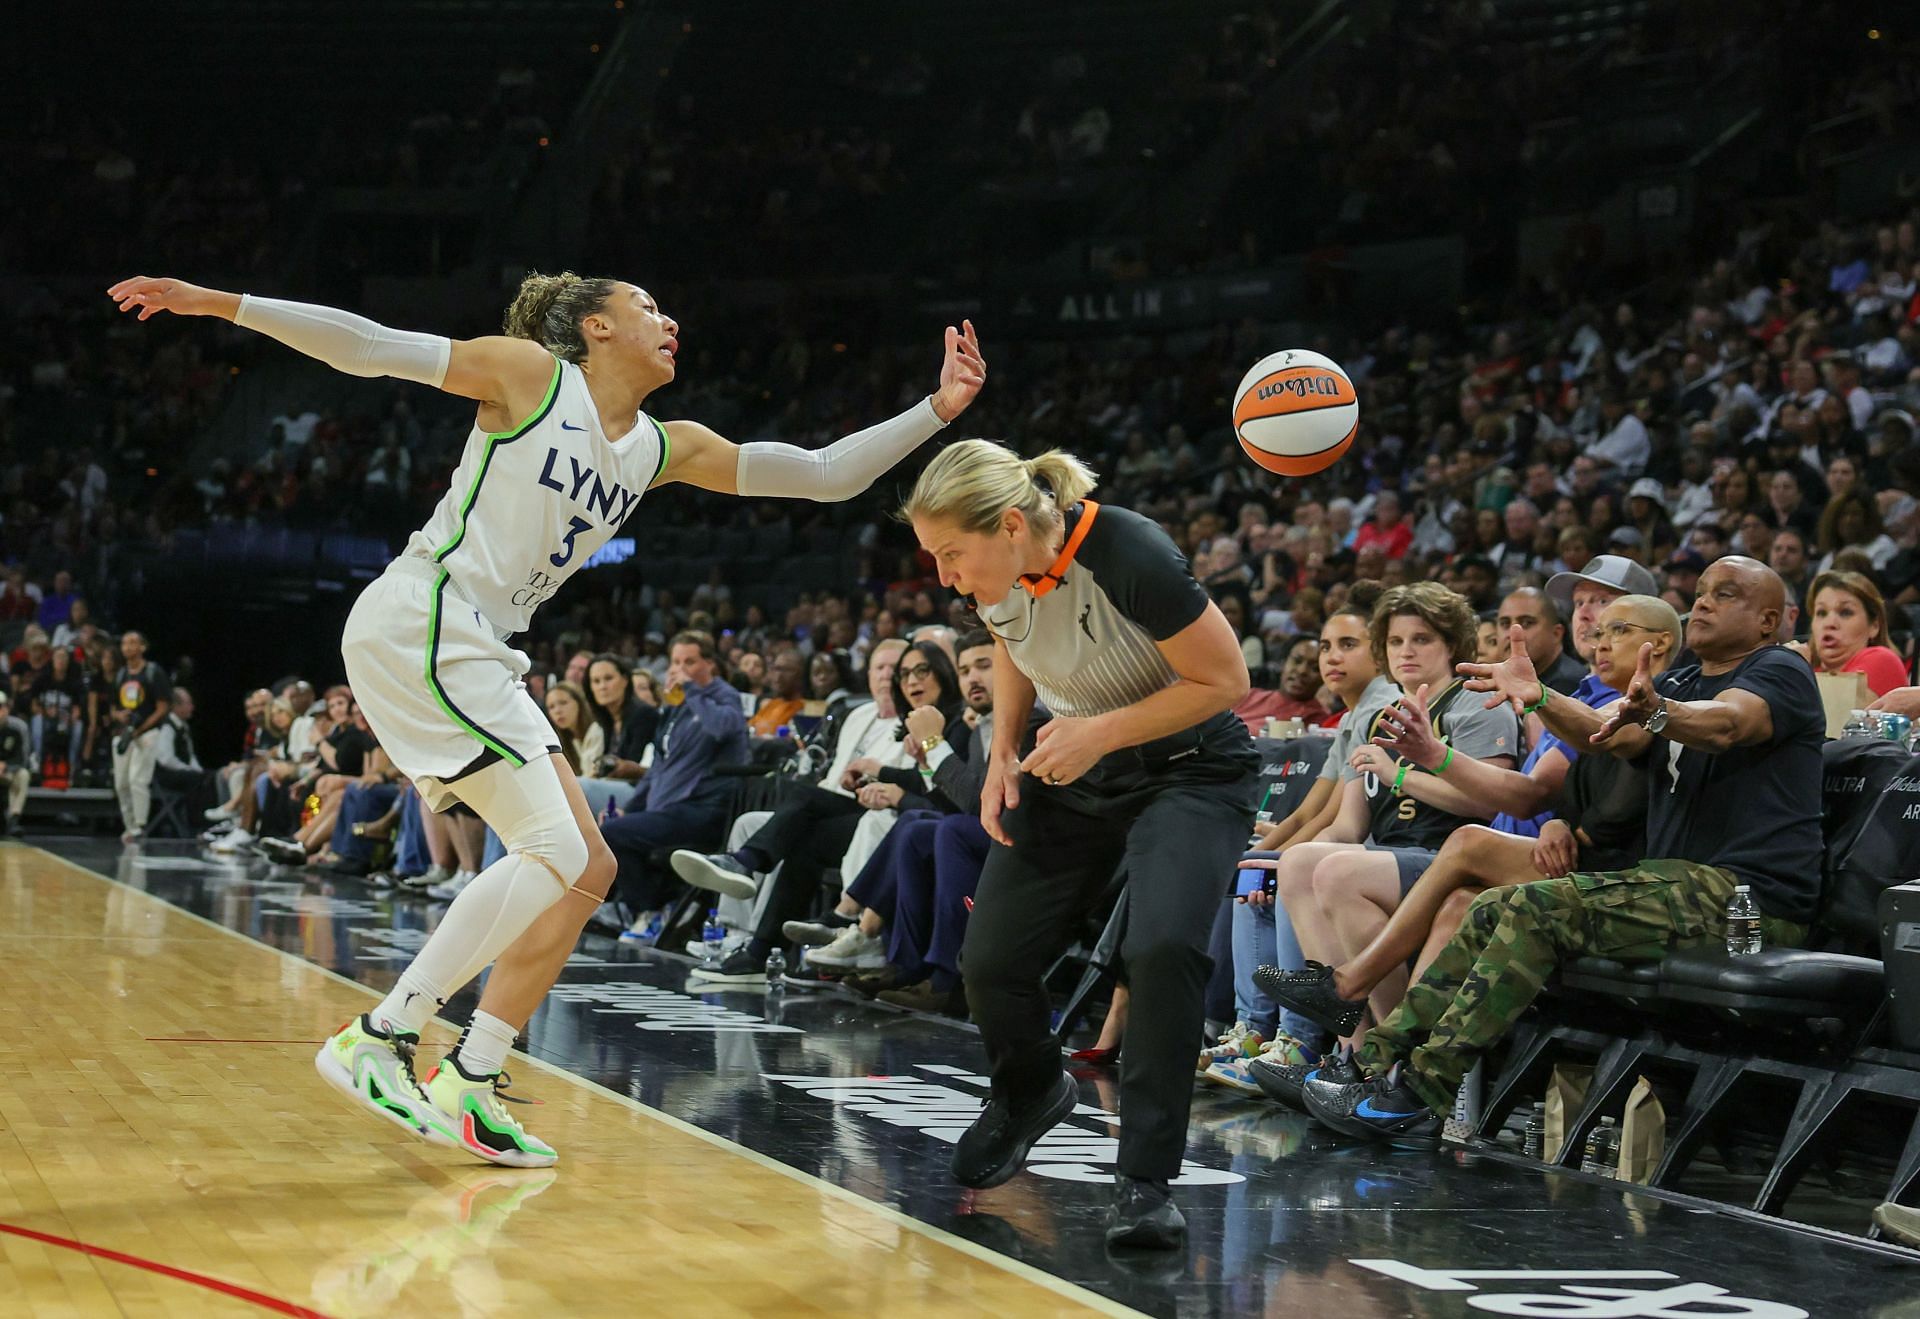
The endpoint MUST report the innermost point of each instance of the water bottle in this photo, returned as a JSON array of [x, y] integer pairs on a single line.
[[1859, 724], [776, 969], [1610, 1149], [714, 939], [1743, 924], [1533, 1143], [1594, 1158]]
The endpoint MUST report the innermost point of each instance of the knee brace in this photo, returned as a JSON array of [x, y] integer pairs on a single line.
[[528, 808]]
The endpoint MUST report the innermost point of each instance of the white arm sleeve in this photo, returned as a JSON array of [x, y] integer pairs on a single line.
[[347, 342], [841, 470]]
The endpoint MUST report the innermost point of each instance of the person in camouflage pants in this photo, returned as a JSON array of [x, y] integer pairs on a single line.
[[1514, 938]]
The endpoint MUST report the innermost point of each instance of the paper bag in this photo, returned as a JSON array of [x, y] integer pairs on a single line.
[[1643, 1135], [1840, 695], [1566, 1092]]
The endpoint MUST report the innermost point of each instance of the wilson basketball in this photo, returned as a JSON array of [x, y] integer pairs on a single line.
[[1295, 413]]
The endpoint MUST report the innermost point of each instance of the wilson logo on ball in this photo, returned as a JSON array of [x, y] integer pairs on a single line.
[[1295, 413]]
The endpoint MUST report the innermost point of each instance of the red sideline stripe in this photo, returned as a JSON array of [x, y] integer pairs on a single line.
[[261, 1299]]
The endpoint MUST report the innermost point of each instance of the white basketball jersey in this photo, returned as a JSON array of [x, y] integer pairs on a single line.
[[528, 506]]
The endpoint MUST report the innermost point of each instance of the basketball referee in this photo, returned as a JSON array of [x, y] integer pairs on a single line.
[[1095, 612]]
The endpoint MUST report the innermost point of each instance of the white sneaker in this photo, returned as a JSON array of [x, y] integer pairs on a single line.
[[218, 832], [450, 890], [1240, 1041], [852, 951], [218, 813], [697, 948], [434, 876], [238, 840]]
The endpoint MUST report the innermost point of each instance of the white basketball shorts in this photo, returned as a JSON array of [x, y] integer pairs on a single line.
[[441, 688]]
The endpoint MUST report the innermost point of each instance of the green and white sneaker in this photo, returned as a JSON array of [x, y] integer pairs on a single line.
[[480, 1123], [375, 1070]]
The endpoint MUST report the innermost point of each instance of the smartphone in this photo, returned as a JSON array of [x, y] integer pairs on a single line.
[[1255, 881]]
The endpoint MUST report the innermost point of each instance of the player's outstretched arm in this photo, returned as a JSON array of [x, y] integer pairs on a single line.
[[699, 456], [494, 370]]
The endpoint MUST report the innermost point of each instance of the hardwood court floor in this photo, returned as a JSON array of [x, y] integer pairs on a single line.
[[158, 1102]]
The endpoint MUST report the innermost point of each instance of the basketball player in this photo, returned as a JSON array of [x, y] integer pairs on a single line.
[[560, 454], [1094, 611]]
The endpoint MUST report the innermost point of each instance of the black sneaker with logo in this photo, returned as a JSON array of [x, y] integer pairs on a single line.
[[991, 1151]]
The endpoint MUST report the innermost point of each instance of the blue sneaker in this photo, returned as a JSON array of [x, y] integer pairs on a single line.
[[1385, 1108]]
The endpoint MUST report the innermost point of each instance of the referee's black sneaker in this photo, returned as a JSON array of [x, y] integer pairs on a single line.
[[990, 1151], [1143, 1215], [1385, 1108], [1310, 993]]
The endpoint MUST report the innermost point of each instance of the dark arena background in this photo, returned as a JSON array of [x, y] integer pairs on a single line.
[[1628, 296]]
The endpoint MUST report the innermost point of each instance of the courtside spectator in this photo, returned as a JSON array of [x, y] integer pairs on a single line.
[[1848, 632], [15, 774], [142, 692]]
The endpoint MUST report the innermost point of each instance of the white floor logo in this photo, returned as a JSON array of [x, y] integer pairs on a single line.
[[1684, 1300], [663, 1009], [1071, 1152]]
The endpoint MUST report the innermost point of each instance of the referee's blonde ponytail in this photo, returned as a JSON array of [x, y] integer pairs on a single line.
[[974, 482]]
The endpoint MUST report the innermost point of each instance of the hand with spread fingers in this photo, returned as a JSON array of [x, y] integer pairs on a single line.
[[1512, 680], [1638, 704]]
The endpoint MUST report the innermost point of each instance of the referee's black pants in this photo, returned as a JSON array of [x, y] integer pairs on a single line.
[[1177, 812]]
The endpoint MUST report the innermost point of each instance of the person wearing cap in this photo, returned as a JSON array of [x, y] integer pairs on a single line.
[[1581, 596]]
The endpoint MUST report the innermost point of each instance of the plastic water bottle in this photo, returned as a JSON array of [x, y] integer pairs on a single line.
[[776, 969], [1743, 924], [1859, 724], [1533, 1144], [1594, 1158], [713, 938], [1610, 1149]]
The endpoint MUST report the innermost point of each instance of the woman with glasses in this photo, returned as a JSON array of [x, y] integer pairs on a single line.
[[1595, 814]]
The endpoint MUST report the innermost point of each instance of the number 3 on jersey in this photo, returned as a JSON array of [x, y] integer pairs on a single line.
[[575, 526]]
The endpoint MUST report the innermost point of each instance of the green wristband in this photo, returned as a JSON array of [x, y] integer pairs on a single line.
[[1546, 694], [1400, 779], [1441, 768]]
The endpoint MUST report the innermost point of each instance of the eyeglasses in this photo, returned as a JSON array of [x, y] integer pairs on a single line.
[[916, 671], [1616, 631]]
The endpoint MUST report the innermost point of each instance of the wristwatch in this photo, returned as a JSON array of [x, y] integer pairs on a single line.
[[1658, 719]]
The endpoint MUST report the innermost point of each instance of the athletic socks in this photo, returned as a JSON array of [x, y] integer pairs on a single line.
[[489, 914], [484, 1045]]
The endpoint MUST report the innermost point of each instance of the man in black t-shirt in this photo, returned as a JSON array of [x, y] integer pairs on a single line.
[[1733, 741], [57, 701], [141, 697]]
